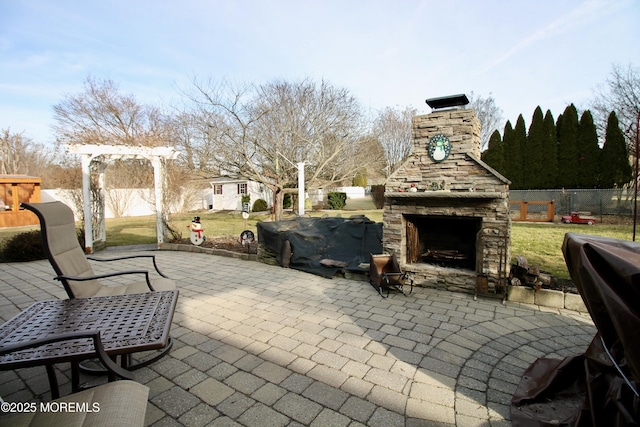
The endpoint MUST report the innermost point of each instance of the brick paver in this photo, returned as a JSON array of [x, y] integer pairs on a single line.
[[259, 345]]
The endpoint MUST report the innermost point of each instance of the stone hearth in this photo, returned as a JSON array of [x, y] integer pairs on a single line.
[[448, 221]]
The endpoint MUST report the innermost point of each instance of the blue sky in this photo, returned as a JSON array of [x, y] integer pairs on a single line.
[[387, 53]]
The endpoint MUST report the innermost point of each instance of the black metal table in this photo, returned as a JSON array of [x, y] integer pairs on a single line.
[[127, 324]]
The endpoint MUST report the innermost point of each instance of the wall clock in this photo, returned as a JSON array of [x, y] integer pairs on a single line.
[[439, 147]]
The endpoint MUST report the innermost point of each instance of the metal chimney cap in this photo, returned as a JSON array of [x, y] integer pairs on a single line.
[[451, 101]]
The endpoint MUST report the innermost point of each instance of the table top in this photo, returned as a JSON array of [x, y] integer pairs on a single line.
[[127, 323]]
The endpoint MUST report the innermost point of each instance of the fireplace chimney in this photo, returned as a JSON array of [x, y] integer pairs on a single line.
[[452, 102]]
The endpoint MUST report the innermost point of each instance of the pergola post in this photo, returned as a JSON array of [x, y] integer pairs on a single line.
[[301, 188], [158, 178], [102, 230], [86, 202]]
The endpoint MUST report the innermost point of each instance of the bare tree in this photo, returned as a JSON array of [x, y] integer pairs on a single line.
[[65, 173], [119, 201], [194, 139], [620, 93], [489, 114], [129, 173], [394, 129], [102, 115], [20, 155], [263, 132]]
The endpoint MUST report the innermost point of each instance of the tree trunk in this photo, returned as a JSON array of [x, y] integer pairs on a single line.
[[278, 201]]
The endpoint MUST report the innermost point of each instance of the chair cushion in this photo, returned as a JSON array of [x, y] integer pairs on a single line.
[[163, 284], [120, 403]]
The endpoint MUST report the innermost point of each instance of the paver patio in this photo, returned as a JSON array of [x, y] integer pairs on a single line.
[[260, 345]]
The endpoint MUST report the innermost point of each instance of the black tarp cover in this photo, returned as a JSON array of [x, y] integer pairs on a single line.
[[588, 389], [346, 240]]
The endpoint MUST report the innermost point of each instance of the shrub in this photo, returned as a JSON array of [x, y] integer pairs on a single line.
[[360, 180], [286, 201], [337, 200], [260, 205], [377, 194], [23, 247]]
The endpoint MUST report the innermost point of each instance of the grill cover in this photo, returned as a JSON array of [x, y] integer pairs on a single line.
[[323, 246], [600, 386]]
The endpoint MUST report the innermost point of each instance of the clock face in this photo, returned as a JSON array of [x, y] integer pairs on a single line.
[[439, 147]]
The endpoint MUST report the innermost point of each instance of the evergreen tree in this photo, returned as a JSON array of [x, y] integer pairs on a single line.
[[550, 153], [494, 155], [567, 148], [588, 152], [558, 125], [519, 180], [534, 162], [615, 167], [507, 146]]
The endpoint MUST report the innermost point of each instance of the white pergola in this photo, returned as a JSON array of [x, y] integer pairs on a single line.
[[100, 153]]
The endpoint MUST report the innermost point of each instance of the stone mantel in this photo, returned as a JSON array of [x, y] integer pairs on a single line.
[[466, 195]]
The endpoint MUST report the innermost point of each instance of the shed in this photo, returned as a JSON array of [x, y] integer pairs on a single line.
[[14, 190]]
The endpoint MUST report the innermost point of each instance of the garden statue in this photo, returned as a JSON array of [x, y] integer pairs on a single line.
[[197, 232]]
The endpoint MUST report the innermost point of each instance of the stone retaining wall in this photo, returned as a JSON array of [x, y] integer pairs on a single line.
[[546, 298]]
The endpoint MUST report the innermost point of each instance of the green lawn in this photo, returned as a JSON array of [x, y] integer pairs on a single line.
[[540, 243]]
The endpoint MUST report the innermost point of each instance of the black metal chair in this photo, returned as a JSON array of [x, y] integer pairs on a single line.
[[73, 269], [71, 265]]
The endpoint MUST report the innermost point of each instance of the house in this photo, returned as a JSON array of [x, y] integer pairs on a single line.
[[226, 193]]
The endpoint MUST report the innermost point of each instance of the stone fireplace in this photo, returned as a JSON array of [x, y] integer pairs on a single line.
[[446, 213]]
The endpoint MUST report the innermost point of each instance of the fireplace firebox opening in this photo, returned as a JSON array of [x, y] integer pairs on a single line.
[[447, 241]]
